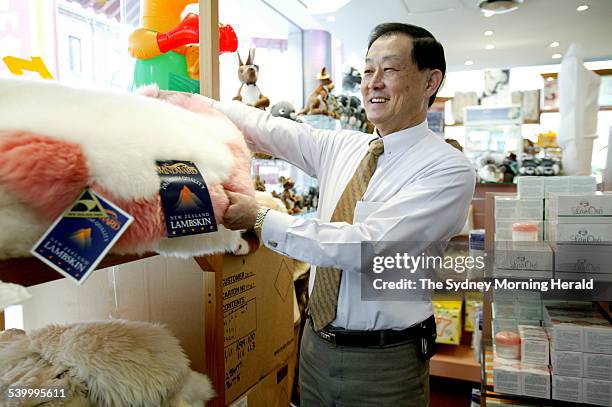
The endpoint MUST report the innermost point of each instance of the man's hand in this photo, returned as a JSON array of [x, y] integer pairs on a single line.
[[241, 213]]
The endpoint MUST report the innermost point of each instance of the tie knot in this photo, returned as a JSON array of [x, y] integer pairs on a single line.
[[376, 147]]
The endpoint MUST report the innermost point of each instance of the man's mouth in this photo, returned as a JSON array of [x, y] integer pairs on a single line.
[[378, 100]]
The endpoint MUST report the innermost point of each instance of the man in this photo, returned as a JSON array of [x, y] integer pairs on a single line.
[[401, 184]]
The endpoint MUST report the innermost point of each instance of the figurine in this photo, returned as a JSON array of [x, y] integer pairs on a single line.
[[249, 92], [319, 98]]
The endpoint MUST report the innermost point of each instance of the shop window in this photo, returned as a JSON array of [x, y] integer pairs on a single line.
[[74, 54]]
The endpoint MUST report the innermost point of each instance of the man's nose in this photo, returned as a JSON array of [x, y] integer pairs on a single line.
[[376, 81]]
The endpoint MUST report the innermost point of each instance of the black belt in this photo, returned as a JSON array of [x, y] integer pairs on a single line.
[[347, 337]]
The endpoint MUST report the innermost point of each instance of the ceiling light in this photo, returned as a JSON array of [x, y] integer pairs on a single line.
[[499, 6], [550, 79], [488, 13], [488, 33], [490, 46], [469, 62], [331, 19], [556, 56], [582, 7], [554, 44]]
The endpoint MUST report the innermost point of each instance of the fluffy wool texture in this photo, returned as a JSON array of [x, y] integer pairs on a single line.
[[55, 140], [105, 364]]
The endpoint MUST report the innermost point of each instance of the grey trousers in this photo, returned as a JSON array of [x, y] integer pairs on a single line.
[[343, 376]]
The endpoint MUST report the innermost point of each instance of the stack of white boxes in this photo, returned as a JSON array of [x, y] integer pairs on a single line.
[[581, 354], [511, 209], [579, 218], [535, 371], [540, 188]]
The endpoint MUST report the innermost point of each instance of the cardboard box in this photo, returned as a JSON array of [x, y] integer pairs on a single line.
[[530, 187], [597, 392], [258, 317], [597, 366], [274, 390], [258, 306], [535, 381], [567, 388], [565, 363], [580, 206]]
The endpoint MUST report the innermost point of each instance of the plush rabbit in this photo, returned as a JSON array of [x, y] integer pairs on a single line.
[[249, 93]]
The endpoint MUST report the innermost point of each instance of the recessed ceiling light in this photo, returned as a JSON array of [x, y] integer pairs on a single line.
[[487, 13], [582, 7], [469, 62], [554, 44], [490, 46], [331, 19], [556, 56], [550, 79], [488, 33]]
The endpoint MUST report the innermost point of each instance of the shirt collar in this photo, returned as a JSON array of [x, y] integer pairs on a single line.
[[403, 140]]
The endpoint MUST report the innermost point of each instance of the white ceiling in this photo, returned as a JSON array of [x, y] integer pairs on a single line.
[[521, 37]]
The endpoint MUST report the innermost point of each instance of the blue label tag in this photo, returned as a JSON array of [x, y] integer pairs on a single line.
[[187, 206], [75, 246]]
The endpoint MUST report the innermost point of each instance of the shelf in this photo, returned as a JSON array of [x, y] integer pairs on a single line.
[[30, 271], [455, 362]]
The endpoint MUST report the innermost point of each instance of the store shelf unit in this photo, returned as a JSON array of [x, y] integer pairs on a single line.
[[455, 362]]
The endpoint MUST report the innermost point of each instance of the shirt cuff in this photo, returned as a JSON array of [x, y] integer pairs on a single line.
[[274, 230]]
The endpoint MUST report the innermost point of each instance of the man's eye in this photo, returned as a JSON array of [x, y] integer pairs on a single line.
[[390, 69]]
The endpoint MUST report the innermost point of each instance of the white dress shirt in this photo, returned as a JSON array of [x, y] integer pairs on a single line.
[[421, 191]]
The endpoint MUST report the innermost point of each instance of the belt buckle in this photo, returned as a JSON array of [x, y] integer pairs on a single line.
[[328, 336]]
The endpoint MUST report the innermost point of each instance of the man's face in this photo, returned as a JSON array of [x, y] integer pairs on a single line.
[[393, 89]]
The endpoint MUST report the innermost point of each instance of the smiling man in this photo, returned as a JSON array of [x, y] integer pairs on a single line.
[[401, 184]]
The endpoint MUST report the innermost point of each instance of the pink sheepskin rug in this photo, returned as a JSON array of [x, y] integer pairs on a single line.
[[55, 140]]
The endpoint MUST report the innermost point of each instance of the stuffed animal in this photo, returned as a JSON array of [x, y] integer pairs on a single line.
[[55, 140], [249, 92], [351, 80], [102, 364], [292, 202], [488, 167], [317, 102], [286, 110]]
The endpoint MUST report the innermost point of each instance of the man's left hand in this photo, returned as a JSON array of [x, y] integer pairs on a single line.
[[242, 212]]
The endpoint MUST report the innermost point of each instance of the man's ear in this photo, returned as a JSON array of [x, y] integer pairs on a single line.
[[434, 82]]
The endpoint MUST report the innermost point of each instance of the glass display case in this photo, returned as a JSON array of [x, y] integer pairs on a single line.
[[492, 129]]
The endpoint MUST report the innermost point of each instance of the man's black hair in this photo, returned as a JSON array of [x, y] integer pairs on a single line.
[[427, 52]]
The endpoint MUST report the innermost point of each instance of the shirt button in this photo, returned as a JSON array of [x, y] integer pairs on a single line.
[[272, 243]]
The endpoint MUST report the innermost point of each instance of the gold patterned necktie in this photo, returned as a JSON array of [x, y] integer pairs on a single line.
[[324, 298]]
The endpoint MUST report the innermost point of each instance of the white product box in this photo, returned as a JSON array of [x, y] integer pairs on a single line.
[[567, 388], [535, 381], [530, 187], [514, 208], [535, 351], [503, 229], [530, 309], [564, 206], [589, 233], [504, 324], [569, 184], [523, 256], [581, 258], [507, 377], [607, 278], [566, 336], [565, 363], [597, 392], [534, 345], [597, 366], [598, 337], [504, 309]]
